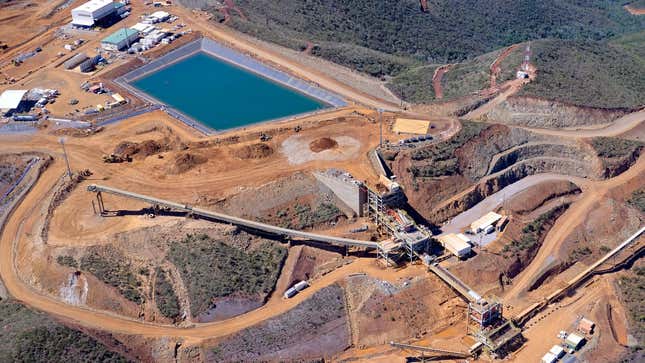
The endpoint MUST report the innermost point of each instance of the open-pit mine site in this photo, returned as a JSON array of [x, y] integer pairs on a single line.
[[322, 181]]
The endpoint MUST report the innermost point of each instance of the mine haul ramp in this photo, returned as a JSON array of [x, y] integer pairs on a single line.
[[235, 220]]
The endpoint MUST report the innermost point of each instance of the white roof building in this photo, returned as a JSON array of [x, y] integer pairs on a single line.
[[457, 244], [91, 11], [10, 99], [549, 358], [143, 29], [487, 220], [574, 341], [557, 351]]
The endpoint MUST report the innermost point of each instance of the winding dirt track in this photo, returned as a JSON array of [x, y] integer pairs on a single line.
[[566, 224], [23, 218], [617, 127]]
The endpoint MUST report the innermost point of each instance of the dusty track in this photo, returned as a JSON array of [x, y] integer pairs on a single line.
[[634, 11], [567, 223], [22, 219], [495, 68], [436, 80], [27, 219], [618, 127]]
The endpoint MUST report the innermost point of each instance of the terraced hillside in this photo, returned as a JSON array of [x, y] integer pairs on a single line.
[[449, 177]]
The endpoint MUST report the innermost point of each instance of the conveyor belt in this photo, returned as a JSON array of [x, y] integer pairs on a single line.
[[235, 220]]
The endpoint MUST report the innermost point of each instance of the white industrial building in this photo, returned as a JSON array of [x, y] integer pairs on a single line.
[[484, 222], [10, 100], [91, 12], [557, 351], [457, 244], [549, 358], [143, 29]]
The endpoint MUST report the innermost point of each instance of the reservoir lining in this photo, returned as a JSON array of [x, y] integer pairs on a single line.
[[232, 57]]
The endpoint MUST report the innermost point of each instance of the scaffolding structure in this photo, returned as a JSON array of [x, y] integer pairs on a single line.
[[407, 236], [487, 325]]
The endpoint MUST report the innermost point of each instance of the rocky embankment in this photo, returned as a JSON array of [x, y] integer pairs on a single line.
[[534, 112]]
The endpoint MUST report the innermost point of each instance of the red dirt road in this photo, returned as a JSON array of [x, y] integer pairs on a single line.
[[436, 80]]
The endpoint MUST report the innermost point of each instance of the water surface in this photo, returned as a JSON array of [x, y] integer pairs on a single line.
[[221, 95]]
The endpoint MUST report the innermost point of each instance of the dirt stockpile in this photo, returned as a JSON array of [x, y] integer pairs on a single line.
[[317, 328], [144, 148], [185, 161], [254, 151], [324, 143]]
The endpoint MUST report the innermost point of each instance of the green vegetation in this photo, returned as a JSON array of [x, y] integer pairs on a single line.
[[587, 73], [511, 64], [374, 63], [211, 269], [638, 199], [468, 77], [632, 42], [613, 147], [303, 217], [450, 31], [165, 296], [29, 336], [588, 53], [114, 270], [632, 290], [414, 85], [66, 260], [533, 232], [579, 253], [439, 159]]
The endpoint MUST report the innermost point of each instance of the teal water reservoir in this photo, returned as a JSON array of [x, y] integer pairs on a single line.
[[221, 95]]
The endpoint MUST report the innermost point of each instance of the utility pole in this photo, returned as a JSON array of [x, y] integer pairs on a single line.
[[380, 116], [69, 170]]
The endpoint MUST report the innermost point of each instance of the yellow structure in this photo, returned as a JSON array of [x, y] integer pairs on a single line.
[[411, 126]]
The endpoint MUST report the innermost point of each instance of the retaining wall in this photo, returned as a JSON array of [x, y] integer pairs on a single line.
[[349, 193]]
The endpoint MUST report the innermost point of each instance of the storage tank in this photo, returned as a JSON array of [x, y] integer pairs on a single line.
[[290, 293], [75, 61], [301, 285], [25, 118]]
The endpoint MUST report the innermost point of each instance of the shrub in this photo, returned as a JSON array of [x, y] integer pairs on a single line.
[[613, 147], [115, 271], [165, 296], [638, 199], [211, 269], [66, 260]]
